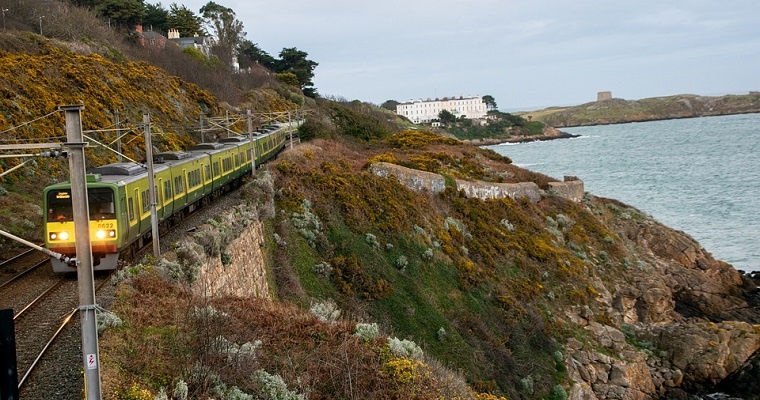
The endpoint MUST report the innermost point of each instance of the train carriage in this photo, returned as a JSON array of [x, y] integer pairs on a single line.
[[119, 196]]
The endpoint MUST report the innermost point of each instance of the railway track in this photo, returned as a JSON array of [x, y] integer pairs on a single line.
[[44, 305]]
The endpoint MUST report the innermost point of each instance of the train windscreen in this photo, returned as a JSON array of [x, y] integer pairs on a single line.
[[100, 201]]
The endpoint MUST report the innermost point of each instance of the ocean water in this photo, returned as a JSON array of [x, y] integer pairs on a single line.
[[698, 175]]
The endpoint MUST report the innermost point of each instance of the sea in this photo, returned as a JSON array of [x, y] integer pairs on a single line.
[[697, 175]]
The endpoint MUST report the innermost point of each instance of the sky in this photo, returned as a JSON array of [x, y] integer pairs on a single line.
[[527, 54]]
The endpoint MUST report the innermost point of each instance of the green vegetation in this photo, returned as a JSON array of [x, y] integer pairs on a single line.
[[499, 126]]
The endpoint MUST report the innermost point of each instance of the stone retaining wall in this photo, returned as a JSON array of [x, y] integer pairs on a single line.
[[244, 276]]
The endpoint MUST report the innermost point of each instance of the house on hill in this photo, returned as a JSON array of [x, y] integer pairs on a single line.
[[201, 43], [150, 39], [426, 111]]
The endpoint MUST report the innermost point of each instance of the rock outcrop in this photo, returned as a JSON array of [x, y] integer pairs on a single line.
[[681, 322]]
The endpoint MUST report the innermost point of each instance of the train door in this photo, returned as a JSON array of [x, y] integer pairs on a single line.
[[133, 206], [160, 199]]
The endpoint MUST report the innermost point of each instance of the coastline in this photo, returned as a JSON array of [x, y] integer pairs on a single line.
[[521, 139]]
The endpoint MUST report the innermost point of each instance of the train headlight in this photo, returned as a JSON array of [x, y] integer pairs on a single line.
[[105, 234], [58, 236]]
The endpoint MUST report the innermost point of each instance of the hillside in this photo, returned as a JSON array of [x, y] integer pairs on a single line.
[[542, 298], [329, 280], [616, 111], [38, 75]]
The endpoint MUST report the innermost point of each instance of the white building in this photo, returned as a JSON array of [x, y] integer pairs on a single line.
[[419, 111]]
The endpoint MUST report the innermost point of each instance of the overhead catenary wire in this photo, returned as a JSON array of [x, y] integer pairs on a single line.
[[13, 128]]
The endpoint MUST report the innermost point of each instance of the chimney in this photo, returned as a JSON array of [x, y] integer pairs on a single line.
[[138, 28]]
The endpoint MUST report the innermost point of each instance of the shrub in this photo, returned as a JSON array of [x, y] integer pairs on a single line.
[[226, 258], [180, 390], [366, 332], [558, 393], [326, 312], [371, 240], [505, 223], [189, 252], [236, 354], [323, 268], [107, 319], [273, 387], [526, 385], [401, 262], [178, 272], [404, 348]]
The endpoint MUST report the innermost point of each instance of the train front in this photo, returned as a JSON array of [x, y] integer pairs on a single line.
[[59, 226]]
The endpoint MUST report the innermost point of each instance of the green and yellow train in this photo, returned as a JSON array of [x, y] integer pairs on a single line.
[[119, 200]]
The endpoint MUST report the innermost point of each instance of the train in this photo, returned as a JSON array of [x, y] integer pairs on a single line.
[[119, 200]]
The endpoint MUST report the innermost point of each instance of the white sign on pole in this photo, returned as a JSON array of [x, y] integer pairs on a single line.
[[92, 363]]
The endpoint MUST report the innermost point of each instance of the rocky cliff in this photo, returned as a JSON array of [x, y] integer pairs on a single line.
[[676, 322]]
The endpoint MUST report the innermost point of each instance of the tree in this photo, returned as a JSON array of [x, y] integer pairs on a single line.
[[121, 12], [295, 61], [249, 53], [156, 17], [185, 21], [227, 29], [390, 105], [447, 117], [490, 101]]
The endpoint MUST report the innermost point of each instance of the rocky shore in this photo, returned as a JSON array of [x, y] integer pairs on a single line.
[[548, 134], [680, 324]]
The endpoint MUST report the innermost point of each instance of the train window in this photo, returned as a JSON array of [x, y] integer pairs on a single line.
[[194, 178], [208, 171], [101, 203], [179, 185], [131, 210], [145, 196], [167, 190], [216, 168], [59, 205]]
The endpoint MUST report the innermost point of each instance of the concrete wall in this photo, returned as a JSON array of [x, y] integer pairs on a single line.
[[571, 189], [492, 190], [411, 178]]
